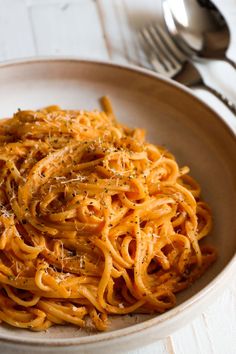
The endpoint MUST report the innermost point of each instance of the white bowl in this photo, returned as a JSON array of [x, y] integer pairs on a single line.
[[173, 117]]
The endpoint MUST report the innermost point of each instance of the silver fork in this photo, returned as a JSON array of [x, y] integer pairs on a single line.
[[169, 61]]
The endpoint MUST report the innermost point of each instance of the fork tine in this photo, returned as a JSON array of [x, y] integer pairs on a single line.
[[174, 50], [159, 67], [158, 58], [159, 48], [164, 49], [150, 51], [152, 45]]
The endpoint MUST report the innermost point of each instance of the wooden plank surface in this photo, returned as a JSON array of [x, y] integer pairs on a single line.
[[67, 27], [107, 29]]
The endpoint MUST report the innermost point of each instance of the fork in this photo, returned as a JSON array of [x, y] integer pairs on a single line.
[[168, 60]]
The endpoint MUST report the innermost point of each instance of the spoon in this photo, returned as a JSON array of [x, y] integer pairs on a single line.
[[198, 28]]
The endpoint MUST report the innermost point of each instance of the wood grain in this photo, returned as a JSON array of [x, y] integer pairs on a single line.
[[69, 28], [16, 38]]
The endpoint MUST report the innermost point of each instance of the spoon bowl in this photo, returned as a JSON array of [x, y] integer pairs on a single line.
[[198, 28]]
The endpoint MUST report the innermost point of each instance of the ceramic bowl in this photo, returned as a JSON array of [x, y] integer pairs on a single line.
[[174, 117]]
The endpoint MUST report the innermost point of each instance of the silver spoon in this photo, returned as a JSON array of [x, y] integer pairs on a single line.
[[198, 28]]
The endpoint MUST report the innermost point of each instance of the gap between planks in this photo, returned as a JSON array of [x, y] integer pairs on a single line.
[[169, 345]]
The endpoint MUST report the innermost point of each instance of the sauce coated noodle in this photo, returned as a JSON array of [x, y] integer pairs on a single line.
[[94, 221]]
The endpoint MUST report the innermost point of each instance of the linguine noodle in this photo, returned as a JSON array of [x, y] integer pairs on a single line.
[[94, 221]]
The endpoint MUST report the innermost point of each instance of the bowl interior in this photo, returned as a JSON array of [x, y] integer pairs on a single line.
[[172, 117]]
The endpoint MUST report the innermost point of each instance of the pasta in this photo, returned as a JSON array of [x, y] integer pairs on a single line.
[[94, 221]]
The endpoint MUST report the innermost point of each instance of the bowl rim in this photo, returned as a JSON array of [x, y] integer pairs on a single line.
[[214, 284]]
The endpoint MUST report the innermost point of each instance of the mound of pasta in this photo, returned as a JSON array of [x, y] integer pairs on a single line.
[[94, 221]]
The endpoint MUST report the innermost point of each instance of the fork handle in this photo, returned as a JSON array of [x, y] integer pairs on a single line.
[[231, 62], [222, 98]]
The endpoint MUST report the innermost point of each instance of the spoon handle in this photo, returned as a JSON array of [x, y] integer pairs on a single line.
[[231, 62], [222, 98]]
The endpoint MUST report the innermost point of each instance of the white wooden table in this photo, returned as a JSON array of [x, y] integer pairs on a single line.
[[106, 29]]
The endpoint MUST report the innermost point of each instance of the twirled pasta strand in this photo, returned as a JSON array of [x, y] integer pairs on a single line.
[[94, 220]]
